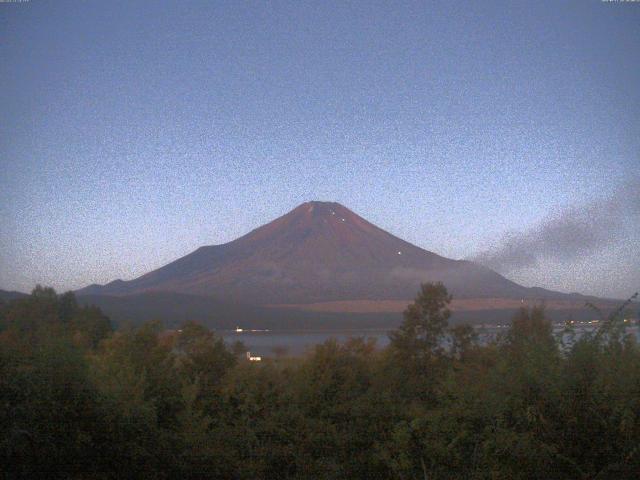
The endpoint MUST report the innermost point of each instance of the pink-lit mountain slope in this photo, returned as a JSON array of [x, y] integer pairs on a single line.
[[318, 252]]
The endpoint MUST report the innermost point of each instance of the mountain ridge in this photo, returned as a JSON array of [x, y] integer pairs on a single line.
[[318, 252]]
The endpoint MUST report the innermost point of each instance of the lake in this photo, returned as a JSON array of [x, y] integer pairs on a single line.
[[295, 343]]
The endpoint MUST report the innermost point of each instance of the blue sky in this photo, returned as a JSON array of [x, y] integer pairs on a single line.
[[133, 132]]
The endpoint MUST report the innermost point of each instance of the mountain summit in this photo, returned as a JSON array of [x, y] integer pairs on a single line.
[[318, 252]]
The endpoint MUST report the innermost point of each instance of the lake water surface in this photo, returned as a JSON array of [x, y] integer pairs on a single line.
[[295, 343]]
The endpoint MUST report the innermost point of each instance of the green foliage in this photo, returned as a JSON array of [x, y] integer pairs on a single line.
[[417, 355], [80, 401], [425, 323], [44, 314]]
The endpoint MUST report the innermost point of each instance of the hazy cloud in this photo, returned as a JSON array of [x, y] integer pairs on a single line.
[[570, 233]]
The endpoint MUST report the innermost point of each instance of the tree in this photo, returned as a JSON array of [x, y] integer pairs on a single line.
[[413, 369], [280, 351], [530, 328], [425, 323], [88, 324], [202, 355], [463, 338], [239, 348]]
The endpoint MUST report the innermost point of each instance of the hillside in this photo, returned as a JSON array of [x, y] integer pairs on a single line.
[[319, 252]]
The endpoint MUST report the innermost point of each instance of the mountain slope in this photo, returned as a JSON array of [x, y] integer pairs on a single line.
[[173, 309], [7, 296], [318, 252]]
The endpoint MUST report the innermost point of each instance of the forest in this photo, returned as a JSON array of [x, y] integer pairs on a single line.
[[80, 400]]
